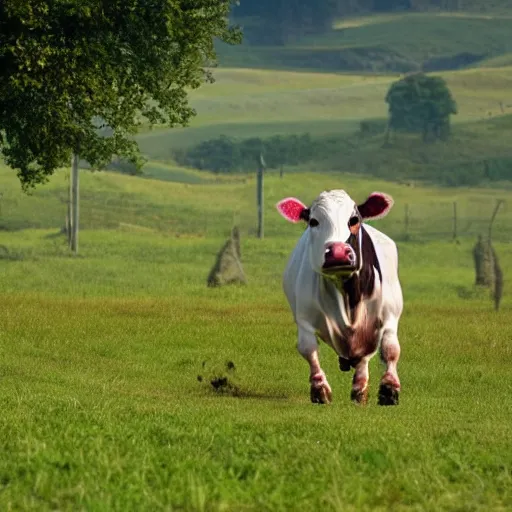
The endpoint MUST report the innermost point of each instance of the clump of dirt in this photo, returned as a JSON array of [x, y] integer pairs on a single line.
[[222, 380]]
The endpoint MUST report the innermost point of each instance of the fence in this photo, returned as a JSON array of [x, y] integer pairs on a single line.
[[449, 220]]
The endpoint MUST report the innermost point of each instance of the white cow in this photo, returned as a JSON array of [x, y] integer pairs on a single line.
[[342, 285]]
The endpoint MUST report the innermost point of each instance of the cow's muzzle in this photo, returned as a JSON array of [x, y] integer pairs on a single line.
[[339, 256]]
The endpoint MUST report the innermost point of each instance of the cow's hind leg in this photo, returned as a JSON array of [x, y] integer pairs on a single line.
[[390, 353], [308, 347]]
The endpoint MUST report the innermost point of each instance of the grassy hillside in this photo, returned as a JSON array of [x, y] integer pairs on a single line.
[[260, 103], [387, 42], [248, 103], [209, 209]]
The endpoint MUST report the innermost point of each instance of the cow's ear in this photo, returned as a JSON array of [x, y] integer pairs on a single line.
[[376, 206], [293, 210]]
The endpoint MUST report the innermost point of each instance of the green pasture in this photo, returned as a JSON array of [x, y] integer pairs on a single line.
[[247, 103], [176, 205], [100, 355]]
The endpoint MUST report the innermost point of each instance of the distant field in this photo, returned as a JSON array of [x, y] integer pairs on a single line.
[[261, 103], [100, 354], [386, 42]]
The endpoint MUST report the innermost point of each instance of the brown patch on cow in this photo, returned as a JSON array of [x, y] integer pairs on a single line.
[[355, 228], [363, 340], [362, 284]]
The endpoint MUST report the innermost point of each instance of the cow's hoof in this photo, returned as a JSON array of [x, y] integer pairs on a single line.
[[359, 396], [319, 395], [344, 364], [388, 395]]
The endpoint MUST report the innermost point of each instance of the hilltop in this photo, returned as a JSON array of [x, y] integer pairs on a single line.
[[387, 43]]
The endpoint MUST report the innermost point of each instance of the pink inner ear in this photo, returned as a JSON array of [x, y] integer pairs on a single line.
[[291, 208], [376, 206]]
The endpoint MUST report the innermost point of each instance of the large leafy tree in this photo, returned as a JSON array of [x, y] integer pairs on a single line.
[[70, 67], [421, 103]]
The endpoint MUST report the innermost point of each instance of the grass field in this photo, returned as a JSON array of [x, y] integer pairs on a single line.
[[100, 353]]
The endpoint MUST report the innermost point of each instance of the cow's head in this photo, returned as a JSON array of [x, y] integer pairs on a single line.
[[334, 223]]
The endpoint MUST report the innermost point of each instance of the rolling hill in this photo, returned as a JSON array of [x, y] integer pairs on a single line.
[[396, 42]]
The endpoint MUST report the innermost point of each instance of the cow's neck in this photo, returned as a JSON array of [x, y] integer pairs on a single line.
[[361, 283]]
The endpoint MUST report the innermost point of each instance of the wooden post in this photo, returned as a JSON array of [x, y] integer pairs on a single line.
[[455, 220], [499, 202], [74, 204], [406, 221], [259, 195], [68, 213]]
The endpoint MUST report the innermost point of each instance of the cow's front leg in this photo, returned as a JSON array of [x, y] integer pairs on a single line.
[[390, 353], [359, 393], [308, 348]]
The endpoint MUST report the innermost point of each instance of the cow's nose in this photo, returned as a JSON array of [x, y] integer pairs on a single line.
[[341, 253]]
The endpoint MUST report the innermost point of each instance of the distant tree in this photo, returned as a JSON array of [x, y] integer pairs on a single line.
[[69, 67], [421, 103]]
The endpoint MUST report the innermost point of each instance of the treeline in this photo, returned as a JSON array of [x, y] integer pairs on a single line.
[[229, 154], [356, 153], [282, 21]]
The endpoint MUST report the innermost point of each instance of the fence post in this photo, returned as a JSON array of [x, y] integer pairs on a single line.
[[406, 221], [259, 195], [74, 203], [455, 220], [499, 202]]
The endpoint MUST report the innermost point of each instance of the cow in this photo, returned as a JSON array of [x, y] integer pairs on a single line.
[[342, 285]]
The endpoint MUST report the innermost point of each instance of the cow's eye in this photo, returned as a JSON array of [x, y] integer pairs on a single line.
[[313, 223], [353, 221]]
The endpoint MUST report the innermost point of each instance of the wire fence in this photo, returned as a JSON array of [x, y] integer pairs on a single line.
[[451, 220]]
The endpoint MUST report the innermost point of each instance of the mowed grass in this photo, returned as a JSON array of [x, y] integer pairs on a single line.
[[102, 408], [100, 354]]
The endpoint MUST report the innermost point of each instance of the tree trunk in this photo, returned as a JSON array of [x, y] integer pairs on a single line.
[[74, 204]]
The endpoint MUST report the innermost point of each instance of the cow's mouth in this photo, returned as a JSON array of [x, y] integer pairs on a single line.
[[337, 268], [339, 258]]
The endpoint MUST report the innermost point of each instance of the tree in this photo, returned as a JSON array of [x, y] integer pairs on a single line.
[[421, 103], [70, 68]]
